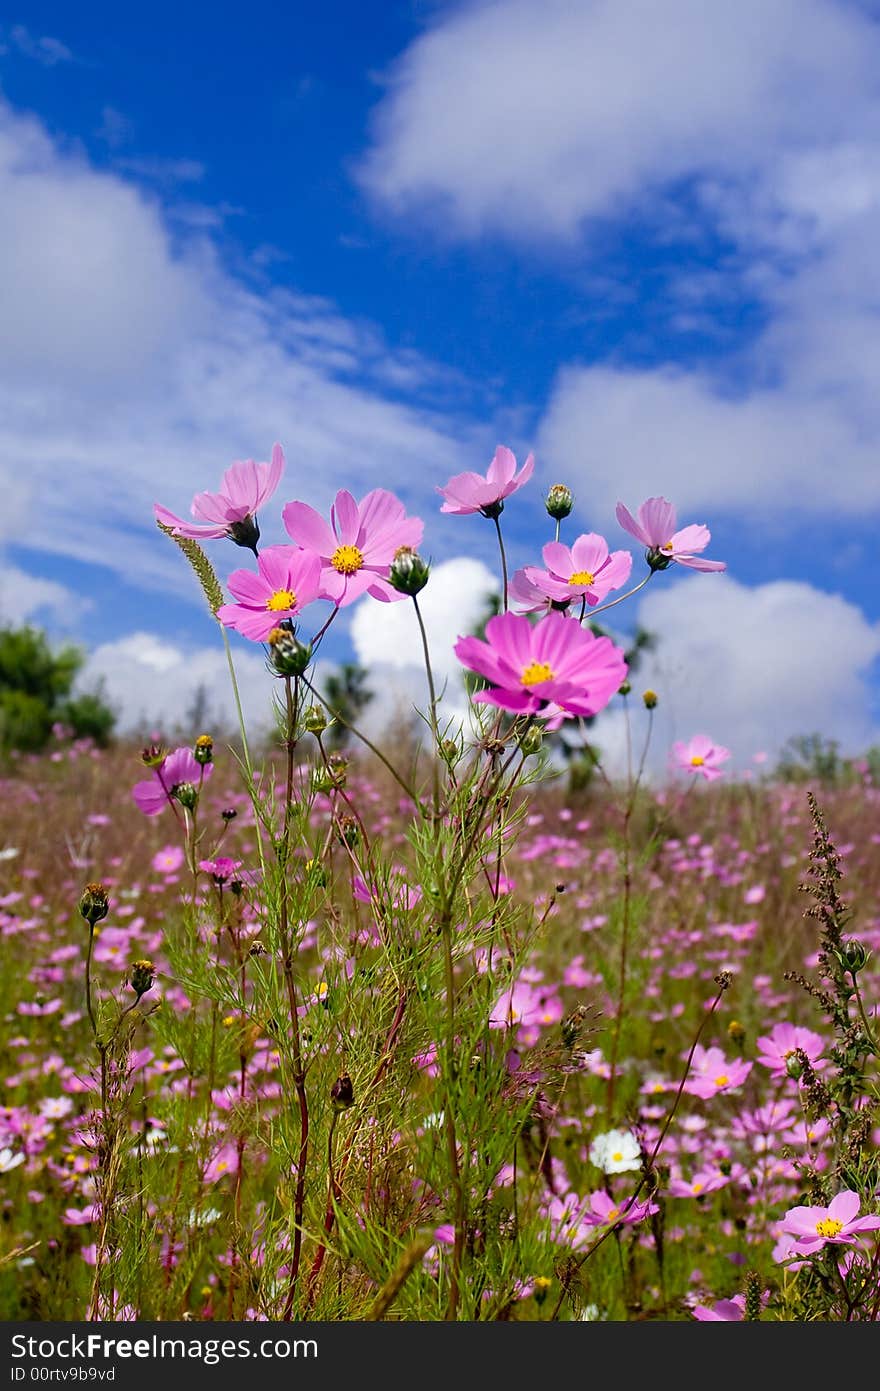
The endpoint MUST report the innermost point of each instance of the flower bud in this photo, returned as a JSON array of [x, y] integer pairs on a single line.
[[853, 956], [93, 903], [409, 572], [793, 1066], [186, 794], [657, 560], [203, 750], [315, 719], [244, 533], [141, 975], [347, 830], [153, 756], [541, 1284], [342, 1093], [559, 501], [735, 1031], [229, 814], [288, 656], [624, 689], [649, 699], [532, 740]]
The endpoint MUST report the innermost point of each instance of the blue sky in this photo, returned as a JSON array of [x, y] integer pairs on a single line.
[[639, 241]]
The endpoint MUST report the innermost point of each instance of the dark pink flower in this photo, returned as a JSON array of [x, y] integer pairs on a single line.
[[813, 1227], [554, 662], [175, 771], [469, 492], [700, 755], [357, 548], [585, 570], [288, 580], [655, 527], [232, 511]]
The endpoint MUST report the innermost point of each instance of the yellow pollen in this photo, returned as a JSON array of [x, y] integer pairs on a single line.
[[697, 761], [613, 1214], [667, 546], [722, 1079], [617, 1156], [828, 1227], [581, 577], [347, 559], [536, 672], [280, 600], [697, 1188]]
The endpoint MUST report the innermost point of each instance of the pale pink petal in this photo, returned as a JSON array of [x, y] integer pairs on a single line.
[[182, 528], [629, 523], [657, 517], [346, 519], [589, 552], [307, 528], [502, 468], [558, 559], [249, 588], [845, 1206]]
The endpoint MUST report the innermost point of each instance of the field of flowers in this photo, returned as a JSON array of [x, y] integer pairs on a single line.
[[290, 1035]]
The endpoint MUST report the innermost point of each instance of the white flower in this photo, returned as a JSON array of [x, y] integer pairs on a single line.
[[616, 1151], [9, 1160]]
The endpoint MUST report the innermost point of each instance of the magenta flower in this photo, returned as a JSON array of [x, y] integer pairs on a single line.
[[287, 581], [700, 755], [178, 770], [586, 570], [839, 1222], [704, 1181], [554, 662], [602, 1210], [780, 1044], [223, 1163], [655, 528], [357, 548], [722, 1311], [231, 512], [472, 492], [711, 1072]]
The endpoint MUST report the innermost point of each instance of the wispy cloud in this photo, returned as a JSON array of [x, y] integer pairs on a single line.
[[41, 48]]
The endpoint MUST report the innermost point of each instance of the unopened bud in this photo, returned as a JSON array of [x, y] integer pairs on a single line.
[[559, 501], [342, 1093], [141, 975], [347, 830], [649, 699], [315, 719], [409, 572], [153, 756], [794, 1067], [853, 956], [186, 794], [289, 656], [735, 1031], [541, 1284], [532, 740], [624, 689], [93, 903], [229, 813], [203, 750], [245, 532]]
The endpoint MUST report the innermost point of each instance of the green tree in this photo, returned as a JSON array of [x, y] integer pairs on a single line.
[[346, 694], [36, 692]]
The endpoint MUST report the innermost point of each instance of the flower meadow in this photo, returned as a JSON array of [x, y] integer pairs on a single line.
[[411, 1030]]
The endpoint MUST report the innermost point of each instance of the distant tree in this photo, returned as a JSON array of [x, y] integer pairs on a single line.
[[347, 695], [36, 684], [811, 758]]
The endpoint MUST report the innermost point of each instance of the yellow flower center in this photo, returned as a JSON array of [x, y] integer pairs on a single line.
[[722, 1079], [347, 559], [697, 761], [613, 1214], [617, 1156], [581, 577], [667, 546], [536, 672], [281, 600], [697, 1188], [829, 1226]]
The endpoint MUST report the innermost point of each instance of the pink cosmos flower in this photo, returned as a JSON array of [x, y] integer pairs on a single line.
[[554, 662], [655, 528], [232, 511], [357, 548], [168, 860], [585, 570], [224, 1162], [779, 1045], [466, 493], [711, 1073], [839, 1222], [704, 1181], [602, 1210], [723, 1310], [176, 769], [288, 580], [700, 755]]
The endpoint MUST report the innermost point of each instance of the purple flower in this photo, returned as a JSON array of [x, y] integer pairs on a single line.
[[232, 511], [473, 492], [178, 769], [656, 529], [357, 548], [813, 1227], [552, 663], [287, 581]]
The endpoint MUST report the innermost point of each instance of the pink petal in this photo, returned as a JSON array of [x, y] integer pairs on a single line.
[[307, 528]]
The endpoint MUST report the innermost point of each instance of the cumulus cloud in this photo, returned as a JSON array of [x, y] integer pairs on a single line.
[[154, 684], [749, 667], [25, 598]]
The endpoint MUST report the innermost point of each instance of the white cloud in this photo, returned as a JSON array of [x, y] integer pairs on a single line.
[[153, 684], [25, 598], [749, 667], [43, 49], [527, 119]]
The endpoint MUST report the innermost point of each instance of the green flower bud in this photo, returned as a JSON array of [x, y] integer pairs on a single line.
[[141, 975], [649, 699], [93, 903], [853, 956], [657, 560], [532, 740], [342, 1093], [203, 750], [186, 794], [315, 719], [409, 572], [559, 501], [288, 656]]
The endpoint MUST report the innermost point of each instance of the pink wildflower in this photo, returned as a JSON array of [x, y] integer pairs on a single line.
[[179, 769], [554, 662], [232, 511], [224, 1162], [586, 570], [777, 1047], [704, 1181], [723, 1310], [357, 548], [711, 1073], [168, 860], [700, 755], [839, 1222], [288, 580], [603, 1211], [469, 492], [655, 528]]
